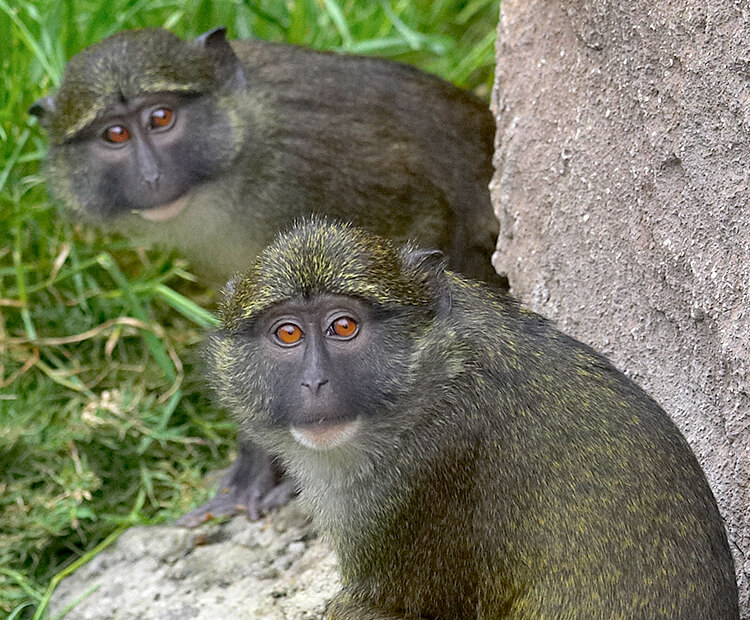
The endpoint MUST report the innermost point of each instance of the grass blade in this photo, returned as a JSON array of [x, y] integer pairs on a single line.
[[189, 309]]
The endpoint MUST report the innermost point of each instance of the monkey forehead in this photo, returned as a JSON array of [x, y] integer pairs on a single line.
[[320, 256], [124, 66]]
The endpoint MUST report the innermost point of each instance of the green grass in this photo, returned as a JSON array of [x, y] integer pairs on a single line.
[[104, 420]]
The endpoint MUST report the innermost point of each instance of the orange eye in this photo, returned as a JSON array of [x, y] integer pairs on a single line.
[[116, 134], [160, 118], [289, 333], [345, 327]]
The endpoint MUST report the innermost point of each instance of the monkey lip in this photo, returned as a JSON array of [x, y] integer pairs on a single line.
[[325, 436], [166, 212]]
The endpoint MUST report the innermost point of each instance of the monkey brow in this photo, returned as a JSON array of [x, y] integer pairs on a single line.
[[116, 97]]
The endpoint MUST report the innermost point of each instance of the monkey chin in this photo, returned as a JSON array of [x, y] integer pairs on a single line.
[[166, 212], [325, 436]]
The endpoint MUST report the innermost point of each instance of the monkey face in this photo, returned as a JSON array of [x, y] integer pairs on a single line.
[[323, 336], [144, 156], [142, 119], [315, 369]]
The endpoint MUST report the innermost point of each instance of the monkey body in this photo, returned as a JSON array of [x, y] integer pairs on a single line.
[[468, 460], [264, 133]]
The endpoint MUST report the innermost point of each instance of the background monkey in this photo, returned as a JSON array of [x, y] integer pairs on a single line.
[[466, 459], [211, 146]]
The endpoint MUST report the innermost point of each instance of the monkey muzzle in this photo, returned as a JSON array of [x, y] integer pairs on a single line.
[[165, 213], [324, 436]]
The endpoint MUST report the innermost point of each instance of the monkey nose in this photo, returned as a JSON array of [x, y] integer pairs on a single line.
[[314, 385], [152, 181]]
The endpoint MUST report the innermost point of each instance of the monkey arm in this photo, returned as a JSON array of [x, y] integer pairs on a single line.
[[252, 484], [348, 606]]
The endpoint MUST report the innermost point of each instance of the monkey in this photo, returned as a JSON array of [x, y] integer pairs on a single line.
[[464, 458], [211, 146]]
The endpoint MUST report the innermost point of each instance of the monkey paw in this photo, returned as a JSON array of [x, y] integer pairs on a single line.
[[253, 484]]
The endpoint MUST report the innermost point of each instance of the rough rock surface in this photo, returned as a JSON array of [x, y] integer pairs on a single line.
[[622, 188], [275, 569]]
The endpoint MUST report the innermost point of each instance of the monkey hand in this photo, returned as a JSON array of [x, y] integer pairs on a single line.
[[350, 606], [253, 484]]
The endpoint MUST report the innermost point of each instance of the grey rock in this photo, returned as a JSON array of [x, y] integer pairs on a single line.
[[277, 569], [623, 190]]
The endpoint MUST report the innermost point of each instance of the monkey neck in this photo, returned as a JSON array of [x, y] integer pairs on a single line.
[[358, 488], [379, 523], [213, 228]]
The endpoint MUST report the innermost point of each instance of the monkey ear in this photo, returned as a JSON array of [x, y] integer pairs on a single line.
[[227, 310], [215, 41], [216, 37], [42, 108], [426, 260], [429, 266], [227, 291]]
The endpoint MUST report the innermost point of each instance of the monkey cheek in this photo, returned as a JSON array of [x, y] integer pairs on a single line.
[[325, 436]]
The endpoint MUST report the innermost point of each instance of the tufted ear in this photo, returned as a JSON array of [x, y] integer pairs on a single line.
[[216, 37], [43, 108], [215, 42], [429, 267], [228, 290], [429, 261]]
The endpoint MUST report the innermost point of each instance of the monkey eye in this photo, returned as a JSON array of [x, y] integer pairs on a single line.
[[160, 118], [344, 328], [288, 334], [117, 134]]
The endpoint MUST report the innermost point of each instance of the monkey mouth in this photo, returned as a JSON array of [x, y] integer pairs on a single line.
[[324, 436], [165, 212]]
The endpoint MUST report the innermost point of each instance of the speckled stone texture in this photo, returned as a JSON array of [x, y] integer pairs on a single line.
[[622, 188], [274, 569]]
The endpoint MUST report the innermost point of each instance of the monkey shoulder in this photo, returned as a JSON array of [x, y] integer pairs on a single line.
[[520, 351]]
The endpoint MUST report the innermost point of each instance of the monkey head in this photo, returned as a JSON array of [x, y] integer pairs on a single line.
[[319, 337], [133, 124]]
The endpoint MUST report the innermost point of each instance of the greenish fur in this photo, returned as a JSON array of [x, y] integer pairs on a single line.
[[333, 268], [519, 475], [267, 133]]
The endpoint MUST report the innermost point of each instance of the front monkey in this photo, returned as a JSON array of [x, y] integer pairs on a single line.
[[465, 459], [211, 146]]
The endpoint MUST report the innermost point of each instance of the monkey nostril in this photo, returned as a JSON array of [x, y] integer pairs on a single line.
[[152, 182], [314, 385]]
